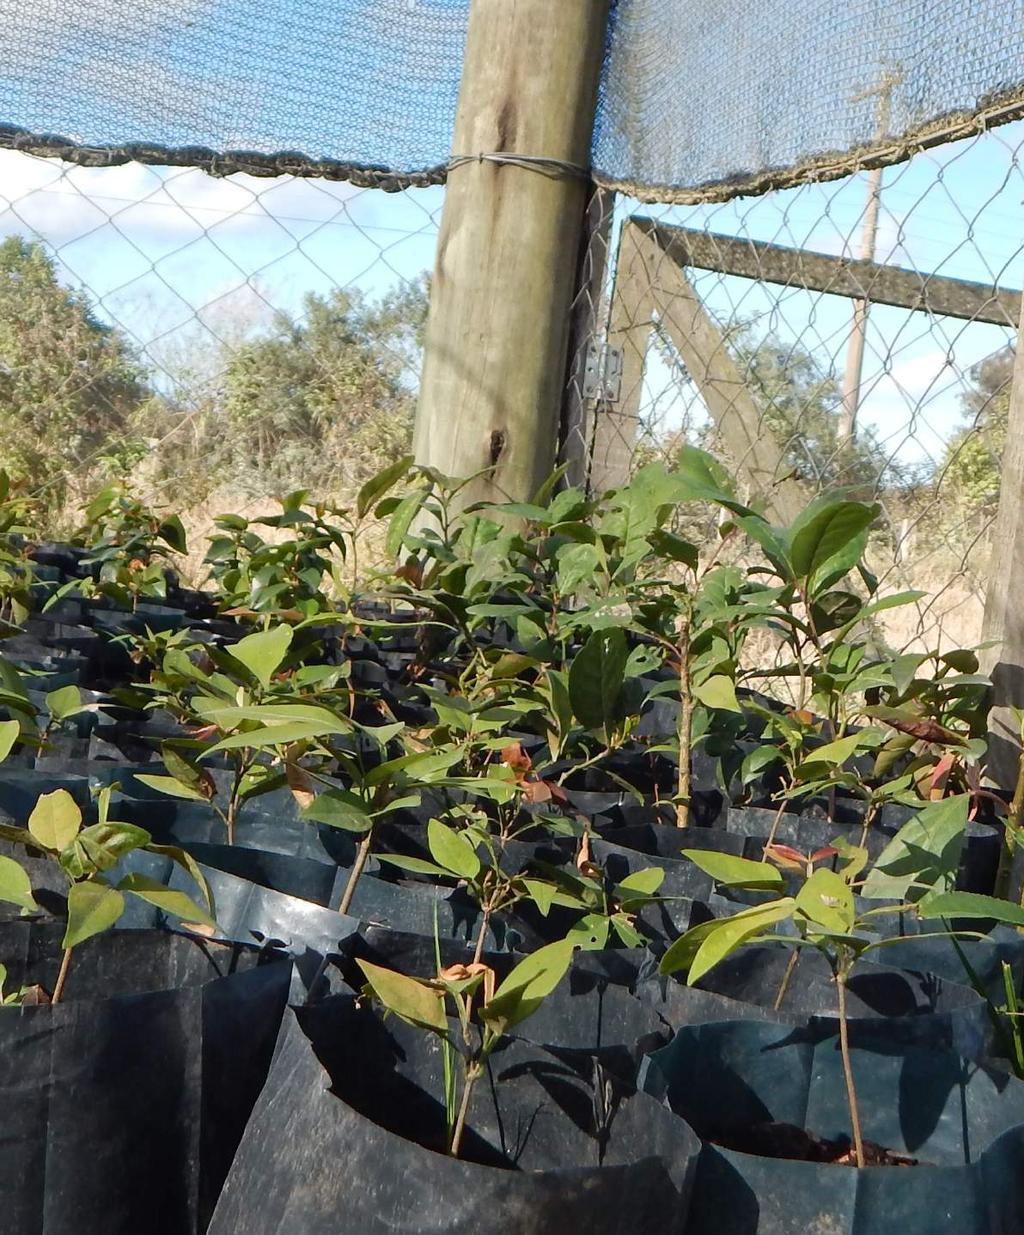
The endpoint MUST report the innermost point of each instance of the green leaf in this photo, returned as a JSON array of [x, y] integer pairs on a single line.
[[65, 702], [833, 529], [276, 713], [668, 544], [15, 885], [718, 692], [733, 932], [451, 850], [835, 753], [734, 872], [263, 653], [55, 820], [702, 478], [678, 957], [527, 986], [401, 520], [187, 862], [826, 900], [425, 767], [970, 905], [418, 866], [760, 757], [101, 846], [590, 933], [186, 771], [596, 678], [339, 809], [924, 854], [172, 533], [170, 785], [178, 904], [542, 894], [576, 563], [375, 488], [10, 731], [407, 998], [644, 882], [278, 735], [93, 907]]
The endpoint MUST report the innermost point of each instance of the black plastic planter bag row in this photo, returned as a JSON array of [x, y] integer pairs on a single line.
[[308, 933], [338, 1143], [123, 1104], [912, 1007], [962, 1123]]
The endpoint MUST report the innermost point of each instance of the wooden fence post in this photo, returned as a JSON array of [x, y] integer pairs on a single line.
[[1004, 604], [497, 334]]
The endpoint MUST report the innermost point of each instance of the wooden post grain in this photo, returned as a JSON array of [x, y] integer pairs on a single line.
[[497, 334]]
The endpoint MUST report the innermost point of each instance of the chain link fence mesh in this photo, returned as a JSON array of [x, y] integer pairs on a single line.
[[218, 340], [265, 333], [735, 327]]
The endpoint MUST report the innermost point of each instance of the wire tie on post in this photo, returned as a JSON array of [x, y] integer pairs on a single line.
[[534, 162]]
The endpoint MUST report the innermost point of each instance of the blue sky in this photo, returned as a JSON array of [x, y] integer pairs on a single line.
[[161, 250]]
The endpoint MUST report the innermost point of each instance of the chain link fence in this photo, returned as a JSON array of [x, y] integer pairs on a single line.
[[218, 340], [853, 333], [228, 339]]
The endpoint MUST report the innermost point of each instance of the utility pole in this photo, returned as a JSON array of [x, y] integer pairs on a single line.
[[869, 236], [497, 334]]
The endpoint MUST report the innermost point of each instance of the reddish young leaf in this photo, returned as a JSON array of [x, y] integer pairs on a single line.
[[940, 775], [557, 792], [926, 730], [786, 856], [515, 757], [535, 791], [829, 851]]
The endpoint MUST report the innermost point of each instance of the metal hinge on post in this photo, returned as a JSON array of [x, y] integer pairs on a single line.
[[602, 376]]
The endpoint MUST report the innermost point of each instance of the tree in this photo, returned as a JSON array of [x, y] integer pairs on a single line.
[[69, 384], [326, 399], [971, 467]]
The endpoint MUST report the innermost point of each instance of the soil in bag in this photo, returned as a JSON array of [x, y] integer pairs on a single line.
[[746, 1086]]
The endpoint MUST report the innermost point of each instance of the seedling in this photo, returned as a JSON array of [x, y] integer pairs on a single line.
[[484, 1010], [85, 855], [129, 549], [915, 874]]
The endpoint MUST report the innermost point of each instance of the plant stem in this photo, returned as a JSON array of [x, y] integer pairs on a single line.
[[844, 1047], [869, 817], [232, 812], [362, 854], [775, 826], [472, 1074], [1013, 1018], [62, 976], [784, 984], [484, 922], [1011, 833], [685, 725]]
